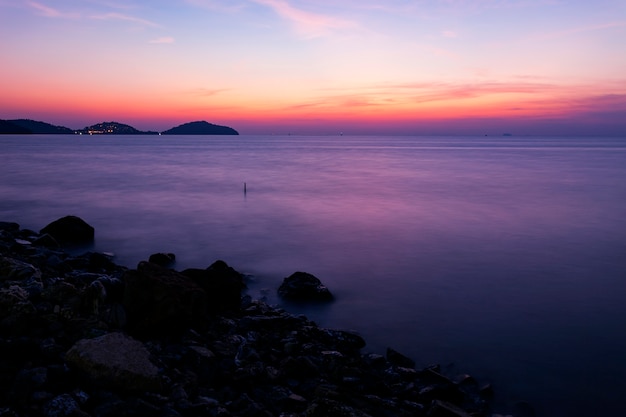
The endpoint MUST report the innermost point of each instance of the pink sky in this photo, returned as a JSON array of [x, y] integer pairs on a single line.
[[319, 67]]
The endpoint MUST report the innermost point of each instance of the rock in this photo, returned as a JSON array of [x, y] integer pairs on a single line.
[[222, 285], [302, 286], [9, 226], [162, 259], [445, 409], [398, 359], [115, 360], [61, 406], [81, 336], [341, 340], [162, 303], [70, 230], [46, 241], [16, 270], [16, 310]]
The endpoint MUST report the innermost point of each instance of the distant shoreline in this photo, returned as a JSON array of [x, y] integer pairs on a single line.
[[27, 126]]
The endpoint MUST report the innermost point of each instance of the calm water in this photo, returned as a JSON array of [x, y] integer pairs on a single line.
[[500, 257]]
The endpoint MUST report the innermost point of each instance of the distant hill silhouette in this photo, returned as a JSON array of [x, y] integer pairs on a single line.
[[200, 128], [27, 126], [8, 128], [112, 128], [34, 126]]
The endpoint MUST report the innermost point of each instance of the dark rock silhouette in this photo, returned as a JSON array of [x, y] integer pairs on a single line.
[[70, 230], [162, 259], [161, 302], [41, 128], [112, 128], [200, 128], [116, 360], [27, 126], [302, 286], [9, 128], [221, 283]]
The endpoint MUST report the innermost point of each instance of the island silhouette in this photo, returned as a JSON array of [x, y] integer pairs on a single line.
[[27, 126]]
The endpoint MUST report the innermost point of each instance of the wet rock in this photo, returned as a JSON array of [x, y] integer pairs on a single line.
[[162, 303], [9, 226], [341, 340], [222, 285], [444, 409], [302, 286], [46, 241], [16, 270], [398, 359], [162, 259], [70, 230], [117, 360], [61, 406], [16, 310]]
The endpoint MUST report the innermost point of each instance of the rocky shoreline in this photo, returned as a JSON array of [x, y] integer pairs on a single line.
[[83, 336]]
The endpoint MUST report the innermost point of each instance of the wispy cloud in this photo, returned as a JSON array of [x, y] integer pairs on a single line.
[[307, 24], [163, 40], [223, 6], [582, 29], [422, 93], [440, 91], [207, 92], [126, 18], [539, 100], [48, 11], [114, 5], [51, 12]]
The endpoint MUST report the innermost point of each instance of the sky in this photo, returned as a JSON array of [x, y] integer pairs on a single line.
[[420, 67]]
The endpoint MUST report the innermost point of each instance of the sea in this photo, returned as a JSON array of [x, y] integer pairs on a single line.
[[502, 257]]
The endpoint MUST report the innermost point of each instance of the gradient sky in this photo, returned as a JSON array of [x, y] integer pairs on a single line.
[[319, 67]]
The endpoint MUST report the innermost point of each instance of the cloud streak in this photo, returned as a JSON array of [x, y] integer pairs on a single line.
[[51, 12], [163, 40], [307, 24], [47, 11], [527, 97], [125, 18], [577, 30]]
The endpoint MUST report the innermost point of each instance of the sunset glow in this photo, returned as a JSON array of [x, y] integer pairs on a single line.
[[319, 67]]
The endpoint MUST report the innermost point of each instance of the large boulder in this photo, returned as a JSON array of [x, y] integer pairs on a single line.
[[115, 360], [302, 286], [161, 302], [70, 230], [163, 259], [221, 283]]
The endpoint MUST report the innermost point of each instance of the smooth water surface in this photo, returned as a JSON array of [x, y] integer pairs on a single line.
[[500, 257]]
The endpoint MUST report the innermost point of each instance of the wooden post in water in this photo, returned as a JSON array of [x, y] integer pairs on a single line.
[[244, 188]]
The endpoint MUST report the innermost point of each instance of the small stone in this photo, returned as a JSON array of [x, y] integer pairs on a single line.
[[297, 398], [61, 406]]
